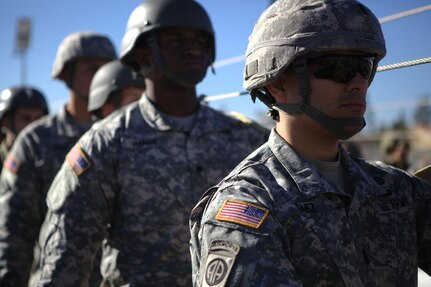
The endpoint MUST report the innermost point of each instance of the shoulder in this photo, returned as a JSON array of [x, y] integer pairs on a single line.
[[117, 124], [40, 128], [424, 173], [238, 121], [392, 177]]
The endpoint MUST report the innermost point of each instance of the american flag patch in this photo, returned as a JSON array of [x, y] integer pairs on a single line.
[[242, 213], [77, 160], [11, 164]]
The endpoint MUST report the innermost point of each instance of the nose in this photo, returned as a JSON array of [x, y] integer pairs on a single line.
[[194, 49], [357, 83]]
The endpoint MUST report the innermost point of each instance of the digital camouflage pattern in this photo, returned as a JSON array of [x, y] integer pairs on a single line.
[[82, 45], [291, 29], [143, 175], [4, 150], [375, 233], [35, 158]]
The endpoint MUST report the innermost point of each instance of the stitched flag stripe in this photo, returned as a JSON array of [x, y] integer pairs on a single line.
[[242, 213], [11, 164], [77, 160]]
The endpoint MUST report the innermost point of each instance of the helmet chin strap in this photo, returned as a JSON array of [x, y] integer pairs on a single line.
[[343, 128], [160, 63]]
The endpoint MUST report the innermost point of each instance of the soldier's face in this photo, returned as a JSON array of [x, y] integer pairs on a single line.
[[84, 70], [25, 115], [333, 97], [338, 99], [186, 52]]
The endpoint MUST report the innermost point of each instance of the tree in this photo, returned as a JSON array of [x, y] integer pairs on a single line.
[[422, 113]]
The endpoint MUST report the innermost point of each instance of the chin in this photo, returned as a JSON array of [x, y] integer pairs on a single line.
[[194, 79]]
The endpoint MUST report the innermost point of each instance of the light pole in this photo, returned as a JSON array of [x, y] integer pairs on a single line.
[[22, 44]]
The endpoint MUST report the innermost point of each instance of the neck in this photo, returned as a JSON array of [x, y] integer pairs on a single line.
[[172, 99], [77, 108], [308, 138]]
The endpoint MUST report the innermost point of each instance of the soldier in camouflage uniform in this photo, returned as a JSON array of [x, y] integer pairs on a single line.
[[112, 87], [39, 151], [19, 106], [135, 176], [301, 211]]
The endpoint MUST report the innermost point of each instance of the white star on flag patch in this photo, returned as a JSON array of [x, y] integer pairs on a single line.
[[242, 213], [77, 160]]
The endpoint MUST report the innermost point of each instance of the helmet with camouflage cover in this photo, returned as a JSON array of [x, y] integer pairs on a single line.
[[151, 15], [290, 31], [108, 80], [82, 45], [18, 97]]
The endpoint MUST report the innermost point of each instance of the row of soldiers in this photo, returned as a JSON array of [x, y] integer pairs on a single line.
[[143, 167], [113, 86], [169, 192]]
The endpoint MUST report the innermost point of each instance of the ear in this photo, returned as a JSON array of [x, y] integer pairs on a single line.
[[277, 89]]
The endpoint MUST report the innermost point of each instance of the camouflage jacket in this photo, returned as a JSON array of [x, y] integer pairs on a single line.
[[275, 221], [133, 180], [29, 169], [4, 150]]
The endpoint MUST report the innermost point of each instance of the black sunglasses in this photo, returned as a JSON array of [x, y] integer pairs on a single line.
[[342, 68]]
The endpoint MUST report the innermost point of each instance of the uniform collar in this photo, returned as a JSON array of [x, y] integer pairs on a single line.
[[67, 126], [206, 118], [361, 185]]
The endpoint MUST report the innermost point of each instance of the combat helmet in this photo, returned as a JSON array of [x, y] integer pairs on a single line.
[[151, 15], [290, 31], [82, 45], [107, 82], [18, 97]]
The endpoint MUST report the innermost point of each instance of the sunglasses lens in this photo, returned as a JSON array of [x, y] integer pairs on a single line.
[[342, 68]]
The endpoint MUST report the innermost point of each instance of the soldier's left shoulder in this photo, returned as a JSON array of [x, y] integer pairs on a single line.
[[243, 120], [424, 173]]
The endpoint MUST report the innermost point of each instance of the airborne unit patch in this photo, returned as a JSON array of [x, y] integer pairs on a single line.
[[77, 160]]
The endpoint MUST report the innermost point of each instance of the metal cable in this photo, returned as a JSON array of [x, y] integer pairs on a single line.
[[382, 20], [404, 14], [379, 69], [404, 64], [386, 19]]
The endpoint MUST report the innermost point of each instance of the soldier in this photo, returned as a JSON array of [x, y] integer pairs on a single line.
[[300, 211], [135, 176], [39, 151], [396, 153], [19, 106], [112, 87]]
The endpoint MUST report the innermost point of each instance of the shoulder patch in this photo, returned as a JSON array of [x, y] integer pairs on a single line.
[[221, 257], [77, 160], [424, 173], [11, 164], [242, 213]]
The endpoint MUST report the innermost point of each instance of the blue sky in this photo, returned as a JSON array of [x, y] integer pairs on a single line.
[[233, 20]]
